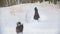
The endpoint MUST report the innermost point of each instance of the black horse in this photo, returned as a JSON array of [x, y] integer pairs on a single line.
[[36, 15]]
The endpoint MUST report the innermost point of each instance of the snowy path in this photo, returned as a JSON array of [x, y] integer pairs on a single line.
[[47, 24]]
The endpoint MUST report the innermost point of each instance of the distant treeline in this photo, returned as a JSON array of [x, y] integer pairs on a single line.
[[14, 2]]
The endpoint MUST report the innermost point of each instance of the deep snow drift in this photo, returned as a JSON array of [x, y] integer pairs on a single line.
[[47, 24]]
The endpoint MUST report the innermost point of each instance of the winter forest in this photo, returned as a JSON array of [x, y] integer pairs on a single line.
[[29, 16], [14, 2]]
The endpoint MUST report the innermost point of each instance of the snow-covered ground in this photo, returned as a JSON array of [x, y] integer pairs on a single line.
[[48, 22]]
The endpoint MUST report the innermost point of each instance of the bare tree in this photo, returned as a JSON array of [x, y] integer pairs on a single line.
[[50, 1], [40, 1], [6, 2], [55, 1]]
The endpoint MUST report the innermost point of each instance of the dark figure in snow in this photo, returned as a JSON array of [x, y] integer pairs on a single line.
[[36, 15], [19, 28]]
